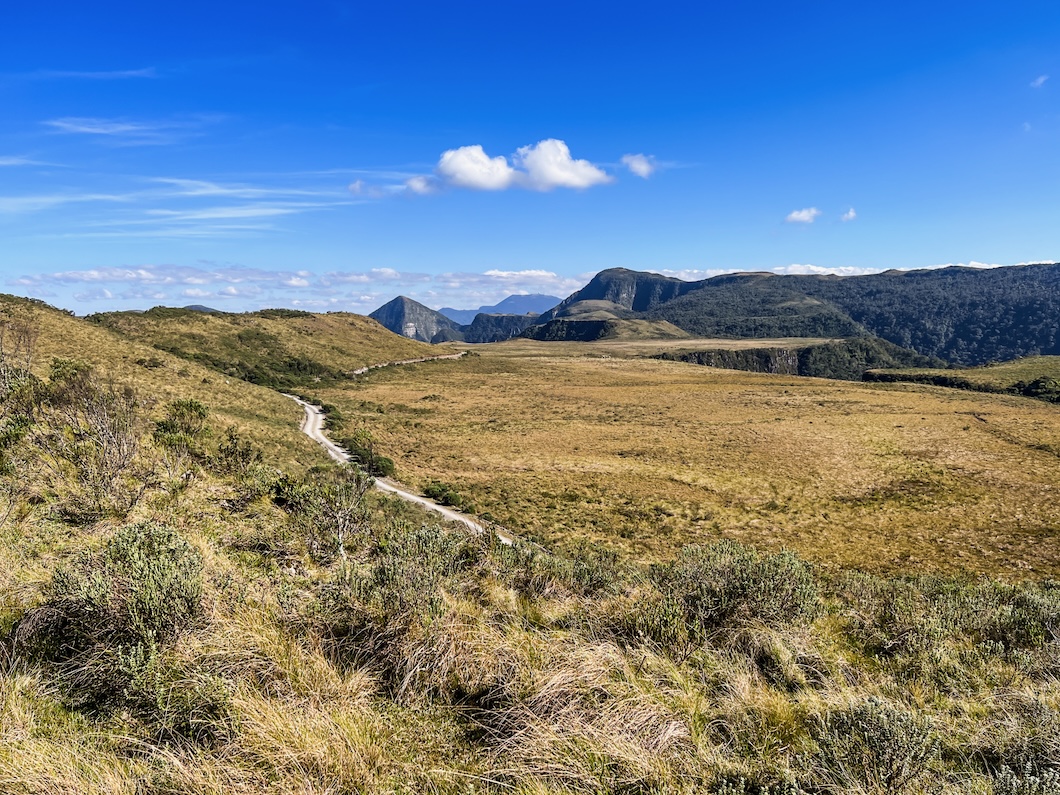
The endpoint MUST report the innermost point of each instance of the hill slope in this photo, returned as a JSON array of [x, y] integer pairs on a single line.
[[962, 315], [275, 347], [261, 414]]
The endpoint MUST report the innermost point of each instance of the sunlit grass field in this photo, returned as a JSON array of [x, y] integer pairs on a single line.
[[261, 414], [586, 442], [1001, 375]]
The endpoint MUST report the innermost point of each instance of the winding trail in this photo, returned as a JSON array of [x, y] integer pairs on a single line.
[[313, 427]]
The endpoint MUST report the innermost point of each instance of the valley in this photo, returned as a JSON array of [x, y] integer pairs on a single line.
[[576, 443]]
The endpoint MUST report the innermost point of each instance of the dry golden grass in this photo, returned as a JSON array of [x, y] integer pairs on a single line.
[[1002, 375], [270, 420], [576, 441], [339, 340]]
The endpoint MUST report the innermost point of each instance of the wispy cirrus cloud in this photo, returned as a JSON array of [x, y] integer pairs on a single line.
[[204, 188], [74, 74], [1039, 81], [18, 160], [126, 132], [11, 205]]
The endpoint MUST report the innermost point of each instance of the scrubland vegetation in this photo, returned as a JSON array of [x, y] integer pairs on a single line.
[[187, 606]]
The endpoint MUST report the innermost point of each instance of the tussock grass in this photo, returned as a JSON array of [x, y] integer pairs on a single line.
[[570, 442], [255, 625]]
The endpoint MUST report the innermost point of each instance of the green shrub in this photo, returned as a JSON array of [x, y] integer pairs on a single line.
[[444, 494], [106, 617], [362, 452], [327, 506], [236, 455], [371, 613], [1027, 782], [876, 747], [180, 434], [723, 587], [1022, 733], [89, 439]]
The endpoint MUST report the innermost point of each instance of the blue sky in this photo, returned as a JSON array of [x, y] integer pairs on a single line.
[[331, 155]]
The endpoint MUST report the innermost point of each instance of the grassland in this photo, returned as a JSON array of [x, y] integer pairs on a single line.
[[278, 348], [571, 442], [1013, 376], [261, 414], [259, 627]]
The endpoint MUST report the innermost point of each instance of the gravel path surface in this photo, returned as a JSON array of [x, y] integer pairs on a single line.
[[313, 427]]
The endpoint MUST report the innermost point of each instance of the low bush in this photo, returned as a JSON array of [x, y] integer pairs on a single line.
[[107, 618], [1028, 781], [327, 507], [719, 588], [363, 454], [444, 494], [874, 747]]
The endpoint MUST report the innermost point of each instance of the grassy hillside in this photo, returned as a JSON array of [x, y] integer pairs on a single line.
[[1033, 376], [569, 442], [229, 624], [258, 413], [278, 348]]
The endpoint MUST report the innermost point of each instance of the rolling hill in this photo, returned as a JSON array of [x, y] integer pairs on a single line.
[[274, 347], [258, 413], [961, 315]]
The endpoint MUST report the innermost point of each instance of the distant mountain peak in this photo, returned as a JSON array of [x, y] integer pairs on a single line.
[[535, 304], [411, 319]]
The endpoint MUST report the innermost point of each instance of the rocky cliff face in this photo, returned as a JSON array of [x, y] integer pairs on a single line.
[[497, 328], [414, 320], [633, 290]]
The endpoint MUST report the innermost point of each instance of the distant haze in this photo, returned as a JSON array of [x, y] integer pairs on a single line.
[[512, 305]]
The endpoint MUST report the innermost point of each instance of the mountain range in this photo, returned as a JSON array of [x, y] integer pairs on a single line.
[[512, 305], [412, 319], [962, 315]]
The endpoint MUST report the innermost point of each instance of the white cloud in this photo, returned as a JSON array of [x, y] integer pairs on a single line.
[[527, 274], [548, 165], [641, 165], [819, 270], [805, 216], [422, 185], [471, 167], [693, 274], [542, 166], [1039, 81], [94, 295], [849, 215], [1026, 126]]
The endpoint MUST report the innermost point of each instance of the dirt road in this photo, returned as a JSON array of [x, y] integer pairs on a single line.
[[313, 427]]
